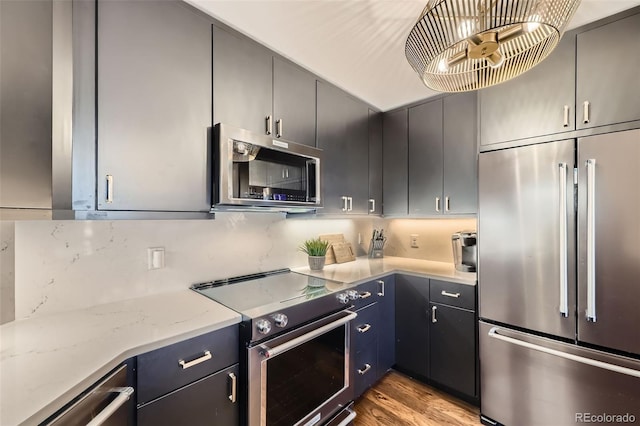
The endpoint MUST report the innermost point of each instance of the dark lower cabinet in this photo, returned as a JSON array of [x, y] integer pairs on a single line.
[[436, 333], [193, 382], [412, 325], [209, 401], [453, 349], [373, 333], [364, 347]]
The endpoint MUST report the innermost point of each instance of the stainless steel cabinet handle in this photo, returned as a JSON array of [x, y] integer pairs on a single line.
[[347, 420], [591, 243], [364, 328], [363, 371], [585, 112], [206, 357], [433, 314], [350, 199], [446, 293], [109, 189], [271, 352], [269, 128], [446, 204], [381, 292], [437, 204], [595, 363], [562, 218], [344, 204], [279, 128], [373, 205], [365, 294], [565, 122], [234, 383], [103, 416]]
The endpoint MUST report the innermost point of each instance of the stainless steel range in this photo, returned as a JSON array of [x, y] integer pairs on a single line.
[[295, 334]]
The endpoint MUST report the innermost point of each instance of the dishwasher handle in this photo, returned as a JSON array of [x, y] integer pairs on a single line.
[[123, 396]]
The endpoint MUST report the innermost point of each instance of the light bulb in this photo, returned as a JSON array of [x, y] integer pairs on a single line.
[[533, 24], [495, 59], [466, 27]]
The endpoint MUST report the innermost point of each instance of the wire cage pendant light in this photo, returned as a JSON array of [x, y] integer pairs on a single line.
[[463, 45]]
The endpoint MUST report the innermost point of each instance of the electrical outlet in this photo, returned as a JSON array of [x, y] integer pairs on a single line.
[[413, 239], [155, 258]]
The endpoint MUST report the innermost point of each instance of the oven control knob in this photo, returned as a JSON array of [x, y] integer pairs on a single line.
[[263, 326], [280, 320], [353, 294], [343, 298]]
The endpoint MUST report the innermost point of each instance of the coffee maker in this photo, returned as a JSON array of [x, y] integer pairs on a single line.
[[464, 245]]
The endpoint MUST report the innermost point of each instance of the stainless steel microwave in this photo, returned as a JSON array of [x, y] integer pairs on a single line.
[[254, 171]]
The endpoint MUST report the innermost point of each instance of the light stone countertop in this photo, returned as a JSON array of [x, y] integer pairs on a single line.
[[46, 361], [364, 269]]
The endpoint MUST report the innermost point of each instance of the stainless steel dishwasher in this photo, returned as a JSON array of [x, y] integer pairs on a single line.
[[108, 403]]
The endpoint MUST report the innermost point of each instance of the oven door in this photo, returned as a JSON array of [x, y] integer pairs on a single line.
[[301, 377]]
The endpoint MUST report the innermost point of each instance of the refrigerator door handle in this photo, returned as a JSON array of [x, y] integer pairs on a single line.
[[493, 332], [564, 286], [591, 244]]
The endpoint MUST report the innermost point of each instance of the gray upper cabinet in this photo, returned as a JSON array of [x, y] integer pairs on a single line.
[[153, 106], [395, 160], [343, 135], [256, 91], [539, 102], [242, 80], [443, 156], [425, 159], [460, 154], [375, 163], [608, 59], [294, 103], [25, 104]]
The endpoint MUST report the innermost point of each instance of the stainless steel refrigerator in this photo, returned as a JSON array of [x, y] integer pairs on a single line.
[[559, 282]]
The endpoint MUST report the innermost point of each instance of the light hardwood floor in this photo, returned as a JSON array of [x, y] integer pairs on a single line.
[[399, 400]]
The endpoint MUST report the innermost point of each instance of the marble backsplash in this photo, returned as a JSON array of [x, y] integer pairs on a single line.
[[50, 266], [65, 265]]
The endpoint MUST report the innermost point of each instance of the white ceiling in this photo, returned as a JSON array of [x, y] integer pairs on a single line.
[[357, 45]]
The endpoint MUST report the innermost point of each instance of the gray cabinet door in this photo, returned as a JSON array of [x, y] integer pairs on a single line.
[[375, 163], [460, 154], [453, 348], [154, 106], [395, 160], [608, 59], [294, 102], [412, 325], [425, 159], [533, 103], [387, 329], [242, 82], [208, 401], [343, 136], [25, 104]]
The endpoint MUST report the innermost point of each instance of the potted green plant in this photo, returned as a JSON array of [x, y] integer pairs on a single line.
[[316, 249]]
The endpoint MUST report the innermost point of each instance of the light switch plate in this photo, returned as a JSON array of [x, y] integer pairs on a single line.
[[155, 257]]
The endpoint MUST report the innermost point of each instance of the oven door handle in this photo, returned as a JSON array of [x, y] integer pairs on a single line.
[[271, 352]]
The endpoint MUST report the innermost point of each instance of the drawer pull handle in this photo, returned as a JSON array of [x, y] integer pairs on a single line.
[[365, 294], [364, 328], [364, 370], [206, 357], [446, 293], [234, 382]]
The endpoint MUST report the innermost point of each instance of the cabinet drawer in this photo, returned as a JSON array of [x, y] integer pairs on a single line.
[[368, 294], [365, 368], [208, 401], [172, 367], [364, 328], [454, 294]]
